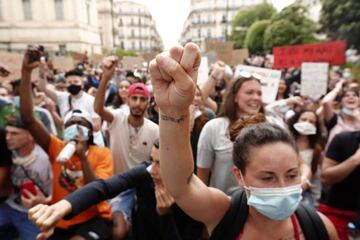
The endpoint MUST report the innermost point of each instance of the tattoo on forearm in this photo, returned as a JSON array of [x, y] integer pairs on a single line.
[[173, 119], [189, 178]]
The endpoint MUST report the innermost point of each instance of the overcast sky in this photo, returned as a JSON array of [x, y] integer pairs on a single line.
[[170, 16]]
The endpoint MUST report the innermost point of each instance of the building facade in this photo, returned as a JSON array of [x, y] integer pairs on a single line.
[[135, 29], [314, 8], [59, 25], [212, 19]]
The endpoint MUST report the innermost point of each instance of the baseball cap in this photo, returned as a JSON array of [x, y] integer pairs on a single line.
[[139, 88], [78, 113]]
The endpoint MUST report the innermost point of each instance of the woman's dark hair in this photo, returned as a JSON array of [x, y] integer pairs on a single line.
[[256, 136], [315, 141], [229, 108], [117, 102], [346, 90]]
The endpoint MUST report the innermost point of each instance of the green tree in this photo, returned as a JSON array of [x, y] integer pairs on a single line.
[[245, 18], [254, 40], [122, 53], [340, 19], [289, 27]]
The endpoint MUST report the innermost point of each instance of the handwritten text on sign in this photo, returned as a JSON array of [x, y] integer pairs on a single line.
[[314, 79], [292, 56]]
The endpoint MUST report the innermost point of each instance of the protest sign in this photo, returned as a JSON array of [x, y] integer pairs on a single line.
[[238, 56], [132, 63], [314, 79], [269, 80], [66, 63], [203, 71], [293, 56]]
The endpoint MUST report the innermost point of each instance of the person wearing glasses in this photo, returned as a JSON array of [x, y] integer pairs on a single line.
[[266, 160]]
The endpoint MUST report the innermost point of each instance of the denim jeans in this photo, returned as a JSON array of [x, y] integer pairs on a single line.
[[11, 219]]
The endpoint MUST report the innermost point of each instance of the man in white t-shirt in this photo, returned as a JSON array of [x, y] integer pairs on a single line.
[[131, 139], [75, 98]]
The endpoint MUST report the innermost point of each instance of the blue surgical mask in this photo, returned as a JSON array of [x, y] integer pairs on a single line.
[[73, 130], [347, 111], [275, 203]]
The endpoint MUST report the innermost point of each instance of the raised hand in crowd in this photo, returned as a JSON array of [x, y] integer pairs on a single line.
[[174, 95], [108, 65]]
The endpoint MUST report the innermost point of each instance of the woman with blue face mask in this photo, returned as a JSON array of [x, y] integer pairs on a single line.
[[265, 156]]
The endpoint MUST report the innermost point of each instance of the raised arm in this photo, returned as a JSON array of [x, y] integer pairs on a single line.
[[46, 216], [109, 65], [216, 74], [327, 102], [173, 98], [37, 130], [43, 83]]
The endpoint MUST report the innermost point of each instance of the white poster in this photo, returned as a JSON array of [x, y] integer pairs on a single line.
[[269, 80], [314, 79], [203, 73]]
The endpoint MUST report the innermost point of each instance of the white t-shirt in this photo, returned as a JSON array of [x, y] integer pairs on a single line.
[[84, 102], [130, 147], [215, 153]]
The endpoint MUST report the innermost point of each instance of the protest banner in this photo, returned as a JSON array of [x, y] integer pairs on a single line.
[[269, 80], [203, 72], [314, 79], [293, 56]]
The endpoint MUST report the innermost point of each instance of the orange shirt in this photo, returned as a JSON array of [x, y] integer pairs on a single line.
[[68, 178]]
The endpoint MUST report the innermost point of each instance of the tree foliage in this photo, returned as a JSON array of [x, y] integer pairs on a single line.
[[122, 53], [254, 40], [289, 27], [245, 18], [340, 19]]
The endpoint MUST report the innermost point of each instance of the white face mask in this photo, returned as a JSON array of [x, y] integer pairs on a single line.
[[305, 128]]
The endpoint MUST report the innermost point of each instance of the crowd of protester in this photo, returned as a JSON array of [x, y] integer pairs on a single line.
[[80, 155]]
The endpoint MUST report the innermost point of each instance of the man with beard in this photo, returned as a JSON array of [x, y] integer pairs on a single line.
[[131, 139]]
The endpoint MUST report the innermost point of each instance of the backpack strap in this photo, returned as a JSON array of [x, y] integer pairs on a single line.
[[234, 220], [311, 224]]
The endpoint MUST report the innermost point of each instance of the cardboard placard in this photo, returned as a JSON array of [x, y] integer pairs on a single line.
[[314, 79], [269, 80], [294, 56], [238, 56], [66, 63], [132, 63]]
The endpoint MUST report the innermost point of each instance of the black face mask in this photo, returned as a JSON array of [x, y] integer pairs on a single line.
[[74, 89]]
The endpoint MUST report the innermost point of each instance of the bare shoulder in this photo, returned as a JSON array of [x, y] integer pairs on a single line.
[[329, 227]]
